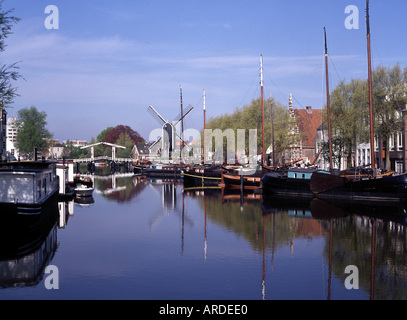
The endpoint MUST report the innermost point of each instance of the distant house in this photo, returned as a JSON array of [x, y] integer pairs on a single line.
[[12, 131], [76, 143], [141, 152], [308, 122], [55, 149]]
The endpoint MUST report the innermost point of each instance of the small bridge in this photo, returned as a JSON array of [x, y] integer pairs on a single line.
[[103, 158]]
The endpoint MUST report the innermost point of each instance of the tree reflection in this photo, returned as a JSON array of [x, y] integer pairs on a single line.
[[373, 239]]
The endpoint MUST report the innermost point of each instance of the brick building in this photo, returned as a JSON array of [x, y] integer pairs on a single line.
[[306, 122]]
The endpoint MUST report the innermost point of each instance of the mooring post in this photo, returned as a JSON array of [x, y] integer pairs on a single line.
[[241, 189], [241, 181]]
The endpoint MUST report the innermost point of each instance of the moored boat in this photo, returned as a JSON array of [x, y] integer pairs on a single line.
[[28, 186], [165, 171], [383, 188], [251, 178], [375, 188], [202, 175], [293, 182], [79, 179], [83, 191]]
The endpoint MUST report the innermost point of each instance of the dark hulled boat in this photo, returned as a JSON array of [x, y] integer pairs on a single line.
[[247, 178], [294, 182], [384, 188], [202, 175], [165, 171], [372, 189]]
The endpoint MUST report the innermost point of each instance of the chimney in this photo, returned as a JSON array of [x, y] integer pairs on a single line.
[[309, 109]]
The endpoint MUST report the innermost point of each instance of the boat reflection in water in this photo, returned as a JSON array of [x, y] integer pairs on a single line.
[[355, 236], [28, 244], [373, 238], [214, 243]]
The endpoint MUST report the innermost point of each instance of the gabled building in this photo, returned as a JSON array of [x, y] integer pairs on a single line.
[[141, 152], [55, 149], [397, 149], [306, 122]]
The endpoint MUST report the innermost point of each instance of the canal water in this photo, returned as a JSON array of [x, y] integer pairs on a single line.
[[145, 239]]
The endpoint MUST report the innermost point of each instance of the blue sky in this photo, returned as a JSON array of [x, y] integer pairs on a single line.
[[110, 60]]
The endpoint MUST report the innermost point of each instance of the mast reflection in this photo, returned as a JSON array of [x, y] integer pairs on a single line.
[[351, 231]]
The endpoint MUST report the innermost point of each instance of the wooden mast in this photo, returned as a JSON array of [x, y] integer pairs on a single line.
[[182, 117], [328, 105], [369, 58], [204, 126], [272, 128], [262, 110]]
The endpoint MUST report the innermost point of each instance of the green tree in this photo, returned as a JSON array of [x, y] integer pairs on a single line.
[[100, 150], [389, 101], [349, 117], [8, 73], [74, 152], [250, 117], [350, 111], [126, 141], [32, 131]]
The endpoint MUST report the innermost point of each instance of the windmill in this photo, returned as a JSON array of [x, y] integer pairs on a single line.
[[169, 133]]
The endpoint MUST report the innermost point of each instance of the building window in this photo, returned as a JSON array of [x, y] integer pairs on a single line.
[[400, 141], [391, 142], [376, 143], [399, 167]]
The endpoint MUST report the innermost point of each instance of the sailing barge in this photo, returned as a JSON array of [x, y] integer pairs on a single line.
[[202, 175], [389, 187], [165, 171], [294, 182], [251, 179]]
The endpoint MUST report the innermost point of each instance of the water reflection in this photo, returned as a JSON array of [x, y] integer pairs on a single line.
[[28, 245], [372, 238], [286, 240], [118, 187], [65, 211]]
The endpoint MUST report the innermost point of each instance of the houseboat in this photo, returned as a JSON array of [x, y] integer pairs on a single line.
[[28, 186]]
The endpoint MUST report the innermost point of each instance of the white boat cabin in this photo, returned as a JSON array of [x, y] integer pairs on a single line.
[[28, 184]]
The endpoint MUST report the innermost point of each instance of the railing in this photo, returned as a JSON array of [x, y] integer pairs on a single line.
[[102, 158]]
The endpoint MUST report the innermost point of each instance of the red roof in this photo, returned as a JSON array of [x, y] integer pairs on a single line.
[[308, 122]]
